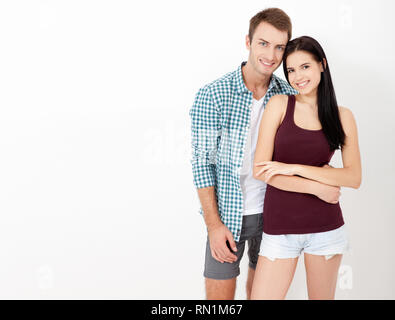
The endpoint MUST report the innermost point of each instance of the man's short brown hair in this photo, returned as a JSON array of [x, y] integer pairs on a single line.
[[274, 16]]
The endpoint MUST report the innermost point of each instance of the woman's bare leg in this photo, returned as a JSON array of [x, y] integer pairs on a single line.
[[272, 278], [321, 276]]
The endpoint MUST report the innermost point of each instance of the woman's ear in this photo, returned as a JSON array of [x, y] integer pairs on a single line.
[[323, 65]]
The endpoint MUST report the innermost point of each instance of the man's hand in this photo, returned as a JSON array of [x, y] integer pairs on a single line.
[[328, 193], [218, 233], [218, 236]]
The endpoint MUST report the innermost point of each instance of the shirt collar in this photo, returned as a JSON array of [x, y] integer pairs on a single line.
[[240, 85]]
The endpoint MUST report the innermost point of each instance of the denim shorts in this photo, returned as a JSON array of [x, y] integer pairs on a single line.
[[285, 246]]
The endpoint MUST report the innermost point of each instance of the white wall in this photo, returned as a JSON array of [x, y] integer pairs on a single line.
[[96, 192]]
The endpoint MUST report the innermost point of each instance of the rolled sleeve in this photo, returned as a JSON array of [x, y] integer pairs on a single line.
[[206, 134]]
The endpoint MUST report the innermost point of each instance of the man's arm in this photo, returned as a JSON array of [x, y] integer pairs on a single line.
[[209, 205], [206, 130], [218, 233]]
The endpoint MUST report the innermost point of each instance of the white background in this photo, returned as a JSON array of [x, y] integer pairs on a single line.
[[96, 192]]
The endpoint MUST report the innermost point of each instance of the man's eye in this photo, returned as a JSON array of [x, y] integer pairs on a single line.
[[280, 48], [263, 43], [289, 71]]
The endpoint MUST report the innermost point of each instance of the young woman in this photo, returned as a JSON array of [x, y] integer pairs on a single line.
[[298, 136]]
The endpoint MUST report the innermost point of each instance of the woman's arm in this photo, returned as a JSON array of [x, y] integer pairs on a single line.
[[351, 173], [271, 120], [348, 176]]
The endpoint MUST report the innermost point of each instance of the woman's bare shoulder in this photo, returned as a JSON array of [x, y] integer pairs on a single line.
[[279, 98], [278, 102], [345, 113], [277, 106], [347, 119]]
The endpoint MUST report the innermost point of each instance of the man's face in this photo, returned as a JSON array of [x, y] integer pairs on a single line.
[[266, 49]]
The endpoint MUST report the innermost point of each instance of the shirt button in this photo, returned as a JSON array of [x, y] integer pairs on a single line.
[[238, 232]]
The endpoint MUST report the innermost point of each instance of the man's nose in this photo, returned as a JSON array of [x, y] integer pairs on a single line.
[[271, 55]]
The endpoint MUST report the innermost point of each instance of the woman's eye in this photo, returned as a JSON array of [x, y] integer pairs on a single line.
[[305, 67], [289, 71]]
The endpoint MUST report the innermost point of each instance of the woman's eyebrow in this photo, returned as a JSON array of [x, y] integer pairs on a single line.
[[304, 64]]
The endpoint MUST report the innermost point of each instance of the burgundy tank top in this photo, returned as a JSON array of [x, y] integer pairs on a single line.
[[292, 212]]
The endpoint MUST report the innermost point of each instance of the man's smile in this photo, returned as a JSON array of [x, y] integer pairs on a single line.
[[266, 64]]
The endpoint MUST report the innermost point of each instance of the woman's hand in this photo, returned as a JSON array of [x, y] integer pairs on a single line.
[[271, 168]]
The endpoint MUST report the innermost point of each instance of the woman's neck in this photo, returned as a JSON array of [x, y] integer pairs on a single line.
[[309, 99]]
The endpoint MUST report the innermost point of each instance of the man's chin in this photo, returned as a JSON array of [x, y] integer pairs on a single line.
[[266, 72]]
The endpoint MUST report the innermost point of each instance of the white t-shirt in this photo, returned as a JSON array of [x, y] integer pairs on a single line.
[[253, 190]]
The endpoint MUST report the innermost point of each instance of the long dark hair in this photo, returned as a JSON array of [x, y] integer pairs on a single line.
[[328, 111]]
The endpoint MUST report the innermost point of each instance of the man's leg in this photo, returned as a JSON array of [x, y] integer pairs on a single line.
[[250, 279], [254, 244], [220, 278], [220, 289], [225, 289]]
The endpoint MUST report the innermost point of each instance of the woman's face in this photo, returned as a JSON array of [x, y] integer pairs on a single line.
[[304, 72]]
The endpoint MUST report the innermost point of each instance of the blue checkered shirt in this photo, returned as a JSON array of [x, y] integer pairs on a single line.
[[220, 121]]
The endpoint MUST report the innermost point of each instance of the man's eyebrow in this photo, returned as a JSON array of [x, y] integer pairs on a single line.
[[281, 45]]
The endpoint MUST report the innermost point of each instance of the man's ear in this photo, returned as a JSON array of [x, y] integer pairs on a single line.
[[248, 44]]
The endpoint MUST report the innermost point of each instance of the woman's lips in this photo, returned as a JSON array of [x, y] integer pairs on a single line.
[[302, 84]]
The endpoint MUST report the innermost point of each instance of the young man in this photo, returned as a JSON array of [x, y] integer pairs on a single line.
[[225, 122]]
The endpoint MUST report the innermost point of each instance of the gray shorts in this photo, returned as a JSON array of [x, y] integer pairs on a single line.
[[251, 231]]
